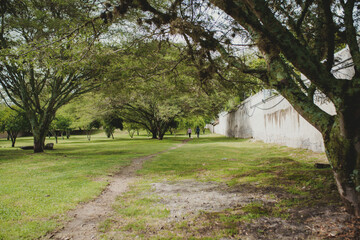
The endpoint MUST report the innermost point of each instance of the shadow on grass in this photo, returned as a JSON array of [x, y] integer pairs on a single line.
[[282, 170], [300, 180]]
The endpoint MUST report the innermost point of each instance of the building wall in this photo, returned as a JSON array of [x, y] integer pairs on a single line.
[[272, 119]]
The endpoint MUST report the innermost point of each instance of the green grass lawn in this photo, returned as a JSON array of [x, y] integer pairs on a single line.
[[256, 166], [36, 190]]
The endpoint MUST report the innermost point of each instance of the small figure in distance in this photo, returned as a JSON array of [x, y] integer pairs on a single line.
[[197, 131], [189, 132]]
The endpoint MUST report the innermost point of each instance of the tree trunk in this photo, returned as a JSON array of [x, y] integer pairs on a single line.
[[343, 152], [39, 141], [161, 136], [161, 133], [162, 130], [13, 138], [88, 134], [67, 134], [154, 134]]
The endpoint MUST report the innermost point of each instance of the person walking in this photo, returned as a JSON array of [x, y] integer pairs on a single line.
[[197, 131], [189, 132]]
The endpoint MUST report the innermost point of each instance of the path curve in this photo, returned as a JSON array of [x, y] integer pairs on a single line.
[[85, 218]]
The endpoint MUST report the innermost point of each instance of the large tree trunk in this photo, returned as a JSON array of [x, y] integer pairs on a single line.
[[40, 127], [342, 145], [39, 141], [154, 134], [161, 136], [162, 130]]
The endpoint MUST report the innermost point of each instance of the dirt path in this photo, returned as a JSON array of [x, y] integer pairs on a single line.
[[87, 216]]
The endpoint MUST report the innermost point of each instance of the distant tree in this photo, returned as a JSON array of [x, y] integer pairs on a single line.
[[13, 122], [109, 131], [63, 125], [146, 91], [53, 131], [95, 124], [111, 121], [85, 112], [131, 128], [174, 126]]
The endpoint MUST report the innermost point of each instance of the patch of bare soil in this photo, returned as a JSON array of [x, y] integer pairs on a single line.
[[185, 199], [86, 217]]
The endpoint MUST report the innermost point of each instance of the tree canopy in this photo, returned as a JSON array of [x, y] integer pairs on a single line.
[[293, 38], [44, 61], [151, 86], [13, 122]]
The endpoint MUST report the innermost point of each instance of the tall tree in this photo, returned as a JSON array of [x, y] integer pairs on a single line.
[[145, 87], [42, 63], [292, 37]]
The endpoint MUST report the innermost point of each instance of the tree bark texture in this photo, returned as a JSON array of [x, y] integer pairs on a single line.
[[39, 141], [342, 144]]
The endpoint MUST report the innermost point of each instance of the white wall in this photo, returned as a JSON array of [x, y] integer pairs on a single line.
[[273, 120]]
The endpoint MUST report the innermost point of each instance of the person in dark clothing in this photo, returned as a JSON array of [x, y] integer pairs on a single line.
[[197, 131]]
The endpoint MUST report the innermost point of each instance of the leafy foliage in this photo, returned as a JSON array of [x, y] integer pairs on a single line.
[[13, 121], [42, 68], [153, 85], [295, 39], [110, 122]]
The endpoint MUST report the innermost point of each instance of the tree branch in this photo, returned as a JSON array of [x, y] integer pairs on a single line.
[[352, 38]]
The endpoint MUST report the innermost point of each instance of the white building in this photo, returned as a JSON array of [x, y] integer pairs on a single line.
[[270, 117]]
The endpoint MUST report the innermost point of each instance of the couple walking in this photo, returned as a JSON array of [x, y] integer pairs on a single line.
[[197, 131]]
